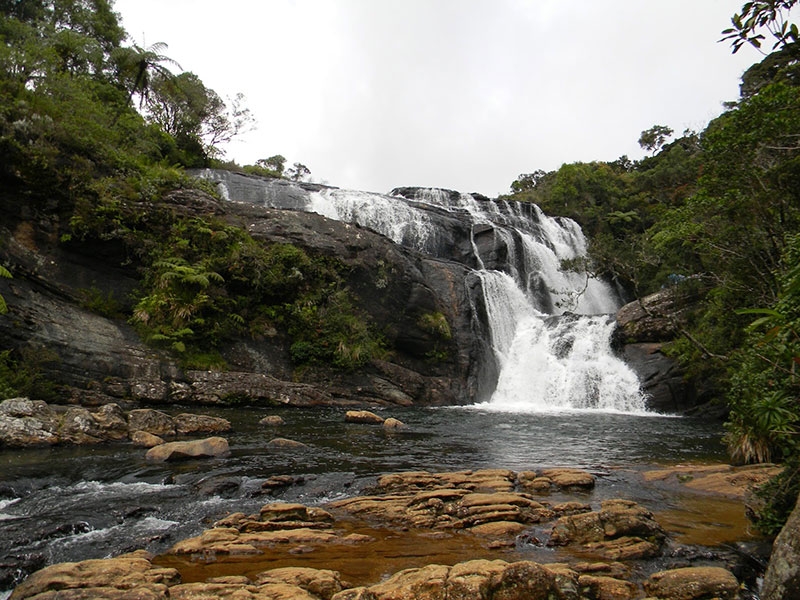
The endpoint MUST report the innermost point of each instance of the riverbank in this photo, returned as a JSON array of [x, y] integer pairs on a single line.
[[426, 532], [73, 503]]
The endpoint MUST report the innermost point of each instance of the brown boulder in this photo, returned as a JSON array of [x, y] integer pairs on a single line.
[[393, 424], [213, 447], [362, 416], [112, 422], [152, 421], [623, 520], [100, 578], [189, 424], [569, 479], [25, 422], [607, 588], [322, 583], [272, 421], [145, 440], [693, 583], [78, 426]]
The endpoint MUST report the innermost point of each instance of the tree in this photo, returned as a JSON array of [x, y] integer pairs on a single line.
[[527, 181], [298, 172], [273, 163], [195, 115], [772, 15], [652, 139], [137, 68]]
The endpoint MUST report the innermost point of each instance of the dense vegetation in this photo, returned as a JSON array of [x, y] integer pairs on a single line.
[[716, 213], [96, 133]]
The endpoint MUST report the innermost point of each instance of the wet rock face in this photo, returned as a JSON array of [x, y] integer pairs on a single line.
[[393, 285], [782, 580], [643, 328]]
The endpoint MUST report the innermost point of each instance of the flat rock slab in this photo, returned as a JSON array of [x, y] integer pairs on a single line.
[[693, 583]]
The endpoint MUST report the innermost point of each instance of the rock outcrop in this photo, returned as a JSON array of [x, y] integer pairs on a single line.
[[98, 359], [644, 326], [485, 506], [213, 447], [782, 580], [25, 422], [693, 583]]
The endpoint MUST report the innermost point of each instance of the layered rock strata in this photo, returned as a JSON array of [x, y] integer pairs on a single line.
[[494, 506]]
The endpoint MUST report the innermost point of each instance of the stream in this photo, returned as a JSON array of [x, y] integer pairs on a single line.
[[74, 503]]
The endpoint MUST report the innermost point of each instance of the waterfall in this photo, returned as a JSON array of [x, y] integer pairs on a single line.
[[549, 326]]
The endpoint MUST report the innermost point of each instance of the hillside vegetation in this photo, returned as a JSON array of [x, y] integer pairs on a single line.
[[92, 127], [715, 212]]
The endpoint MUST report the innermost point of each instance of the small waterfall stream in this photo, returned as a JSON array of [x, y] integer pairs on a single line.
[[550, 327]]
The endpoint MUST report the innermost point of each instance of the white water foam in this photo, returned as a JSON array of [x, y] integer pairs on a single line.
[[546, 364], [537, 371], [4, 504]]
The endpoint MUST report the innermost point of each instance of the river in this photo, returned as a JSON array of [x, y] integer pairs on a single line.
[[73, 503]]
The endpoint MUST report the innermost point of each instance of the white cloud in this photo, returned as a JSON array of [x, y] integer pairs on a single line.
[[465, 94]]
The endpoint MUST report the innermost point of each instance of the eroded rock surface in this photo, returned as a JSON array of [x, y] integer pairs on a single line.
[[491, 507], [25, 422]]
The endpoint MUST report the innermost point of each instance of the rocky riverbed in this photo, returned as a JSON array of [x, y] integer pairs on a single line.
[[488, 533], [620, 532]]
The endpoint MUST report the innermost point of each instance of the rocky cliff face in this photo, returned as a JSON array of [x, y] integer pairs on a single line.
[[100, 359], [643, 328], [426, 262]]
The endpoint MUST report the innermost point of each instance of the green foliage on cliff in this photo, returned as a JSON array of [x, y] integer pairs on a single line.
[[208, 282], [96, 133], [720, 211]]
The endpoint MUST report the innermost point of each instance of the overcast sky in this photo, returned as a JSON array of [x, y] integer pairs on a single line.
[[460, 94]]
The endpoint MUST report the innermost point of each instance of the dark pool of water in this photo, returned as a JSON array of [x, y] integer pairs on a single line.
[[72, 503]]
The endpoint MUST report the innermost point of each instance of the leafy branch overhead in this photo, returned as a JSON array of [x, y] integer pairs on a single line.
[[771, 16]]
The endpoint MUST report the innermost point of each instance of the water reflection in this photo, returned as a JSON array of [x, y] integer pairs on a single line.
[[73, 503]]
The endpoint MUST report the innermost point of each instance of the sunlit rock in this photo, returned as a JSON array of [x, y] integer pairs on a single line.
[[213, 447], [393, 424], [322, 583], [621, 529], [693, 583], [100, 578], [144, 439], [272, 421], [363, 416]]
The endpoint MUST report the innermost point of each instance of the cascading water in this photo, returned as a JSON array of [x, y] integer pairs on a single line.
[[550, 327]]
